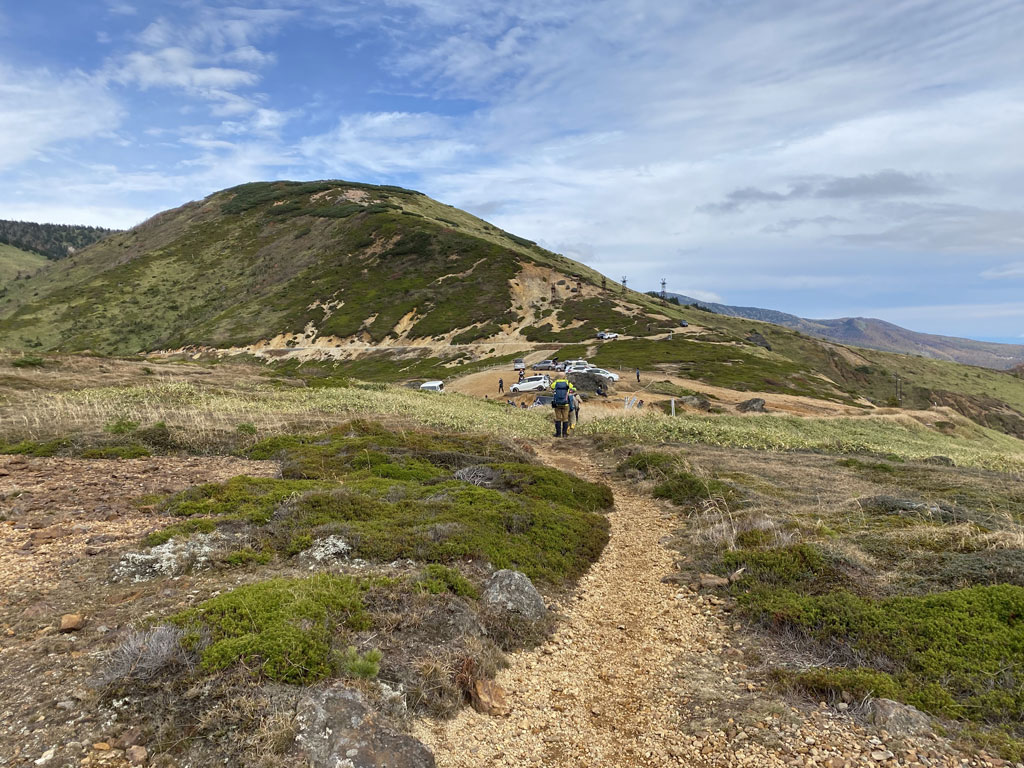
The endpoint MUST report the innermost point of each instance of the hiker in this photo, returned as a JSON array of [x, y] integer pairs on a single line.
[[522, 375], [560, 406], [501, 386], [574, 409], [637, 375]]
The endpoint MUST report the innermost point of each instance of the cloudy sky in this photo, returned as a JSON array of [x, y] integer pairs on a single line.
[[823, 157]]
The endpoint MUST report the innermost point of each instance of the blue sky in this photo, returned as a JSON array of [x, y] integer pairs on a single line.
[[820, 157]]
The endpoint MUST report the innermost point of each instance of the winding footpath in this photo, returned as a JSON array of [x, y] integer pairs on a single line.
[[641, 673]]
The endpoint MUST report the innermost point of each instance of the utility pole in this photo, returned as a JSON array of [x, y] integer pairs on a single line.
[[663, 281]]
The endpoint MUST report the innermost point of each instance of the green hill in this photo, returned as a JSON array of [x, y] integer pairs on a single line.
[[386, 282], [15, 262]]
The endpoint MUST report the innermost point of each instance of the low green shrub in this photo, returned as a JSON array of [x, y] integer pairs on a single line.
[[958, 654], [121, 426], [243, 497], [126, 451], [438, 579], [797, 564], [185, 528], [685, 489], [650, 464], [282, 629]]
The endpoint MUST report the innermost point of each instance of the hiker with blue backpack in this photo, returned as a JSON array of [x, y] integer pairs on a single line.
[[560, 405]]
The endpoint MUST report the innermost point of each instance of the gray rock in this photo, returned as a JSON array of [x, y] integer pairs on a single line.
[[512, 593], [326, 550], [694, 401], [759, 340], [753, 405], [336, 729], [898, 719]]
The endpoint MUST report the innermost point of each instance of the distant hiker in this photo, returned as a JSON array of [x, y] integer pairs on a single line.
[[501, 386], [640, 404], [522, 375], [574, 409], [637, 375], [560, 406]]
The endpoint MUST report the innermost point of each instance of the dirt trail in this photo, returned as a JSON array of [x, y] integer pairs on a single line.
[[641, 673]]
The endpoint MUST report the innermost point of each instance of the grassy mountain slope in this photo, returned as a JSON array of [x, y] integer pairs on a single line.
[[324, 259], [14, 262], [388, 280], [872, 333]]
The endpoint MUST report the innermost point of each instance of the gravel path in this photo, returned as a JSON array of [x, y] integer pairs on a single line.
[[641, 673]]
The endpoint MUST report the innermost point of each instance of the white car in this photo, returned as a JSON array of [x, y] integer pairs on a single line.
[[603, 374], [574, 363], [432, 386], [607, 335], [531, 384], [579, 369]]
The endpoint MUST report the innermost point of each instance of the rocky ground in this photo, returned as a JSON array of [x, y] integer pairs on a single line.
[[642, 671], [645, 672]]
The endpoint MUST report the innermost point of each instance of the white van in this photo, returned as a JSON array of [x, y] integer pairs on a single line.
[[432, 386]]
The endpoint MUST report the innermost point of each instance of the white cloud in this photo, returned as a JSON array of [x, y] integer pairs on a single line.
[[39, 110], [1013, 270]]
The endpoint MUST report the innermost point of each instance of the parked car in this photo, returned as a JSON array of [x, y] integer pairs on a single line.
[[603, 374], [531, 384], [579, 368], [683, 324], [432, 386], [542, 400], [570, 363], [607, 335], [545, 365], [519, 364]]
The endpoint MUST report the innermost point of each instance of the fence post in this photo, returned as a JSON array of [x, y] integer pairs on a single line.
[[673, 406]]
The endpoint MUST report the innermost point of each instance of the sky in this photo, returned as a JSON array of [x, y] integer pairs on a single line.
[[822, 157]]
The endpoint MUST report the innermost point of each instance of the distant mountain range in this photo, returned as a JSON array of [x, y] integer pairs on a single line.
[[878, 334]]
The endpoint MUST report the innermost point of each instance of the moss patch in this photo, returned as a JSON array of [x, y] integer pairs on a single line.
[[285, 629]]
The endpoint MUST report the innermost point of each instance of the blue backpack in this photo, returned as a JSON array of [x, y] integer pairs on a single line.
[[561, 393]]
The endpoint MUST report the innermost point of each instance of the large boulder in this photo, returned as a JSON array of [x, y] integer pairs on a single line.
[[336, 729], [753, 405], [898, 719], [696, 401], [512, 594]]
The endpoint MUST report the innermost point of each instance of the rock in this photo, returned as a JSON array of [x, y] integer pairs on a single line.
[[46, 757], [696, 401], [759, 340], [129, 738], [489, 699], [943, 461], [71, 622], [710, 581], [101, 746], [898, 719], [336, 728], [137, 755], [512, 593], [753, 405], [326, 550]]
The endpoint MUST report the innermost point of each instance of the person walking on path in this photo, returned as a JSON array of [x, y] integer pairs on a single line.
[[501, 386], [560, 406], [522, 375], [637, 375], [574, 409]]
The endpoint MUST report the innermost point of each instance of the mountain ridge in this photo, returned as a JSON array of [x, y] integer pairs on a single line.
[[873, 333]]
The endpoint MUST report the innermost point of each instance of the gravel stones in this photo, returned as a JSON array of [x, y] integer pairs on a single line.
[[512, 594]]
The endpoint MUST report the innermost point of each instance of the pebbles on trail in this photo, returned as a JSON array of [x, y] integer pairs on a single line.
[[641, 673]]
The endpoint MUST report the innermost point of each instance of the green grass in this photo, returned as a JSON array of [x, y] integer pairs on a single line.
[[902, 437], [957, 654], [394, 494], [282, 629]]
